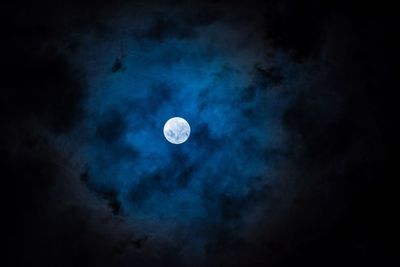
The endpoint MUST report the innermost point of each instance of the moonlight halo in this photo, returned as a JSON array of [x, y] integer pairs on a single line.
[[176, 130]]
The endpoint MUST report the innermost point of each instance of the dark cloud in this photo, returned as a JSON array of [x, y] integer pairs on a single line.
[[270, 76], [179, 24], [166, 181], [167, 28], [111, 127], [297, 27], [118, 65], [49, 90]]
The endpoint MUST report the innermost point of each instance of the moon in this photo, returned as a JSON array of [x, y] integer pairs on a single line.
[[177, 130]]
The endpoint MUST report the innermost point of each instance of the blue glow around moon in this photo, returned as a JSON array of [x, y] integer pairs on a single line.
[[222, 178]]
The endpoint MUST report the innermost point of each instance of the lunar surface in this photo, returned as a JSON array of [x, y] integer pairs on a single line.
[[176, 130]]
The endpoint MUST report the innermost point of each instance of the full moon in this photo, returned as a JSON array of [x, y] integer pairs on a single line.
[[176, 130]]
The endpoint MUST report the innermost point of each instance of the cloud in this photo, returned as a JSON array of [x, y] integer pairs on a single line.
[[220, 178], [280, 117]]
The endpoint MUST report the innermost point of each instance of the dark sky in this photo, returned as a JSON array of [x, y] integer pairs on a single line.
[[286, 164]]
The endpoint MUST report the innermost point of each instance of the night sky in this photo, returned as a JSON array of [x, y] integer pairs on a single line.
[[286, 164]]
